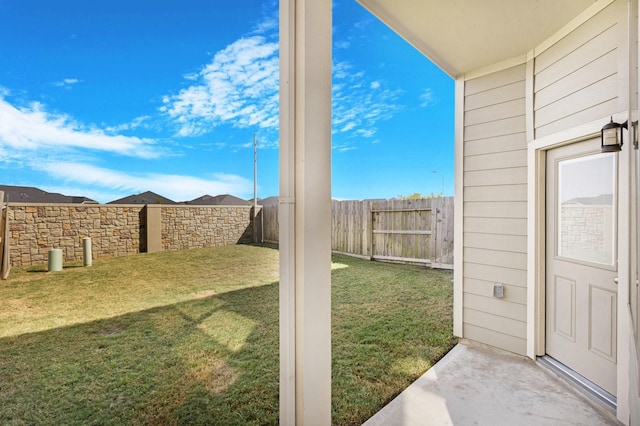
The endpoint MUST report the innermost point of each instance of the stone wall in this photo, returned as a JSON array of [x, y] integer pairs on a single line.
[[118, 230], [185, 227], [587, 233]]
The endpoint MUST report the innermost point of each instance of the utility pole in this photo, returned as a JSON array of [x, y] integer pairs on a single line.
[[442, 173], [255, 170], [255, 188]]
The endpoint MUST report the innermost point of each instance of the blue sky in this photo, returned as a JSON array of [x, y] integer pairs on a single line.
[[110, 98]]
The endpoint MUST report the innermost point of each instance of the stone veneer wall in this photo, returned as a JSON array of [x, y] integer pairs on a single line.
[[185, 227], [587, 232], [118, 230]]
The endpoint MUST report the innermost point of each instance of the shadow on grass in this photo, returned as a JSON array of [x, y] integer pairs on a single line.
[[214, 360], [181, 364], [41, 269]]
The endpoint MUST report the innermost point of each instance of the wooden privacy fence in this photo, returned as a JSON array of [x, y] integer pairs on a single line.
[[419, 231]]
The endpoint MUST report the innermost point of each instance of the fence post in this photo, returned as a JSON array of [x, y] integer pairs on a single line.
[[4, 237], [367, 229], [434, 231], [371, 229], [154, 228]]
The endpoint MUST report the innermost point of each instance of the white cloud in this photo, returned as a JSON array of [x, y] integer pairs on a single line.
[[239, 86], [427, 98], [32, 128], [344, 147], [66, 83], [138, 122], [176, 187], [267, 25], [367, 133], [358, 104]]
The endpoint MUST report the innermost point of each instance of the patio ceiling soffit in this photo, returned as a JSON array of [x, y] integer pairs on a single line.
[[461, 36]]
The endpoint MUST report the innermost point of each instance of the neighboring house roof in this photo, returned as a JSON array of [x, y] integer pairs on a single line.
[[462, 36], [268, 201], [599, 200], [147, 197], [218, 200], [30, 194]]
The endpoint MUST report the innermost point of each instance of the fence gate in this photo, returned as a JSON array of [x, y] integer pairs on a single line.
[[406, 235], [417, 231]]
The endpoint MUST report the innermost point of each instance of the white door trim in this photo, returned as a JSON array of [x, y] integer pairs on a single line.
[[536, 162]]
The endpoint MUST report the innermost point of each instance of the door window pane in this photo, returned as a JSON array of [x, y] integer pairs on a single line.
[[586, 209]]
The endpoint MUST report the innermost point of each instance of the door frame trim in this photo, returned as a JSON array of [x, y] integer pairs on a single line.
[[536, 245]]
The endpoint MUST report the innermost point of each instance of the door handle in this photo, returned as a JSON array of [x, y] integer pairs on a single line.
[[615, 280]]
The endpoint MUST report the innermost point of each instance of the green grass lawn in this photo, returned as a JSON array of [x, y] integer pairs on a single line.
[[191, 337]]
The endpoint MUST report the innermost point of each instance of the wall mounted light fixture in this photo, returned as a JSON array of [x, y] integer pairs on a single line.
[[611, 136]]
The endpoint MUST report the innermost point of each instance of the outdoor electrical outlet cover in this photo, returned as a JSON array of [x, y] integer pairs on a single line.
[[498, 290]]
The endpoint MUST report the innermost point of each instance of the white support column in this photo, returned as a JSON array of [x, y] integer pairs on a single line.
[[305, 212], [458, 244]]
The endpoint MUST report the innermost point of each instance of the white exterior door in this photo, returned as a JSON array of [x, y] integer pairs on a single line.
[[581, 261]]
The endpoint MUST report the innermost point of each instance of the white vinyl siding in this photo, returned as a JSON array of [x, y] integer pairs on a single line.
[[574, 80], [495, 209], [577, 79]]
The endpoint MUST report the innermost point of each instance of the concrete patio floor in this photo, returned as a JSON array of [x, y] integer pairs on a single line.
[[476, 384]]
